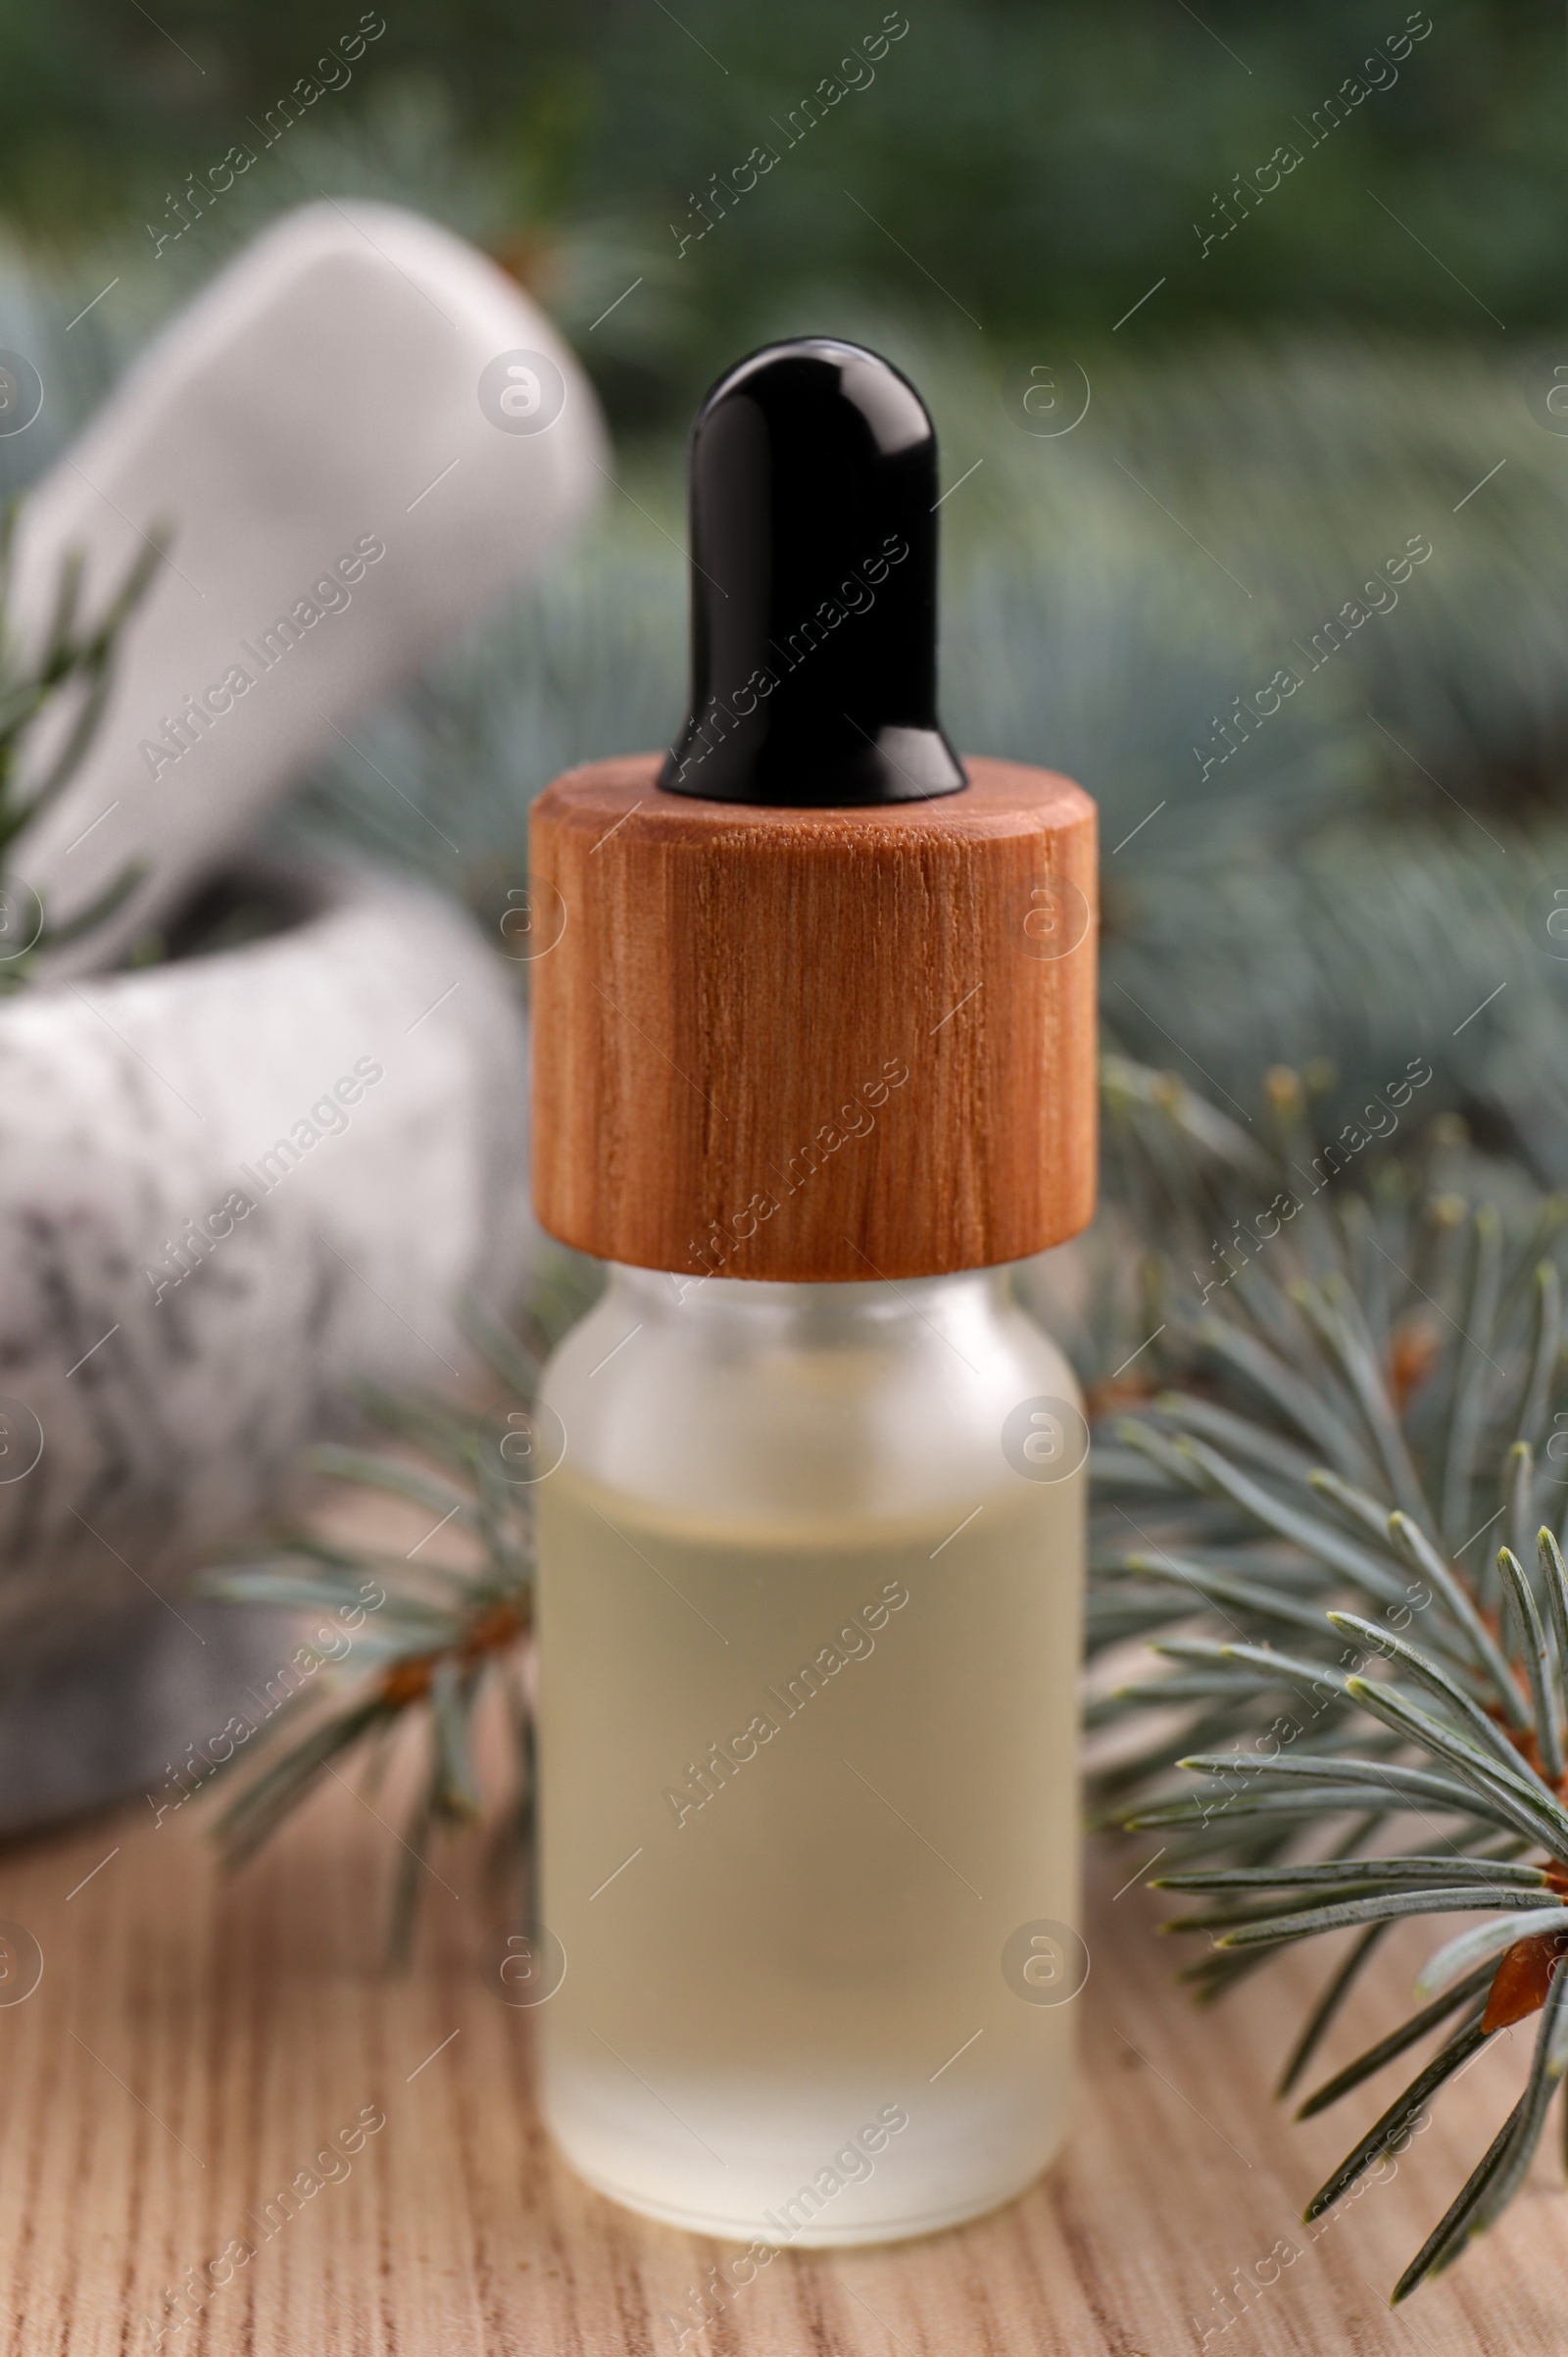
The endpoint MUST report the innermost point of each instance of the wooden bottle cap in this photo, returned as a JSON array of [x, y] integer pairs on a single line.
[[813, 1044]]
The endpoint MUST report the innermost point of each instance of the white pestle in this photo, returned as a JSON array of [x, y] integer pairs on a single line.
[[341, 505]]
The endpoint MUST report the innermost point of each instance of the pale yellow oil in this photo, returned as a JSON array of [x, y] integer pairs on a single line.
[[800, 1786]]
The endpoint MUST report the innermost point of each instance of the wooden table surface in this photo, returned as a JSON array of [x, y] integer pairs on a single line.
[[194, 2044]]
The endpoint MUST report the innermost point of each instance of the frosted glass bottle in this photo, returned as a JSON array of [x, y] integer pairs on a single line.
[[808, 1621]]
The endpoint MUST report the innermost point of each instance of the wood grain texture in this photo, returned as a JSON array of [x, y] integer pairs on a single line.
[[719, 1026], [195, 2046]]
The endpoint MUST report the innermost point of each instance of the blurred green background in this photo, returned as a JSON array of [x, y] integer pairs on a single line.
[[1218, 311], [1045, 164]]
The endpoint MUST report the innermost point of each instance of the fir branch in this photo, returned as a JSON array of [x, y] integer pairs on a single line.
[[1361, 1408], [73, 664], [443, 1638]]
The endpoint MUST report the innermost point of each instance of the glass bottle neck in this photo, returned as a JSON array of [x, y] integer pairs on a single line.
[[813, 1316], [757, 1402]]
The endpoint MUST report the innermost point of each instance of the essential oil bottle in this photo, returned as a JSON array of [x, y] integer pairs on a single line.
[[814, 1066]]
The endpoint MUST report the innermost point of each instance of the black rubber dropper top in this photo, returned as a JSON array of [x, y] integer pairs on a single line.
[[814, 549]]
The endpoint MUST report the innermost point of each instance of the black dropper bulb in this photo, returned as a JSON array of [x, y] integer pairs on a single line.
[[813, 553]]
